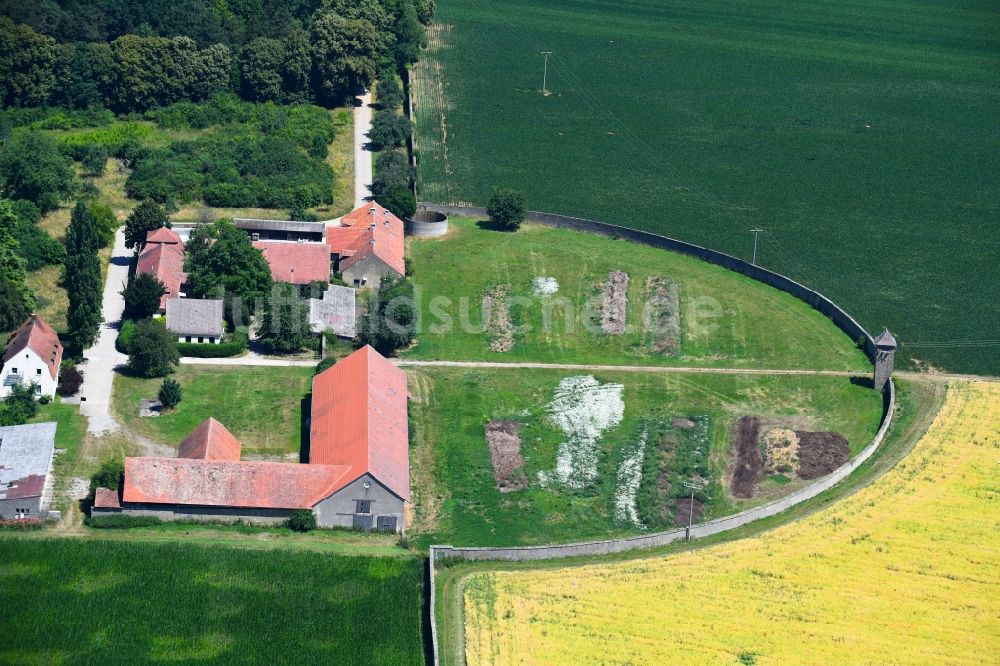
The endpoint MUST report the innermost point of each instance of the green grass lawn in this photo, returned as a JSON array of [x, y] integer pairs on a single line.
[[452, 475], [260, 406], [83, 601], [753, 326], [862, 137]]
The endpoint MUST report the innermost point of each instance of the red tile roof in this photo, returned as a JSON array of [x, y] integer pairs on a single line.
[[244, 484], [359, 420], [105, 498], [38, 336], [375, 223], [163, 235], [210, 441], [166, 262], [297, 263]]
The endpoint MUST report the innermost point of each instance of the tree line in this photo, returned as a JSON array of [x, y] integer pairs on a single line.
[[321, 52]]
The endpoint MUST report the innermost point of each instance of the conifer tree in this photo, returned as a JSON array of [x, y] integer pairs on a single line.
[[83, 279]]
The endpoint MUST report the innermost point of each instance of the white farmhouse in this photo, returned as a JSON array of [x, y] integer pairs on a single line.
[[32, 356]]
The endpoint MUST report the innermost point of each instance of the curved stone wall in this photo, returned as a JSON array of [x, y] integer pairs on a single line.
[[427, 224], [839, 316]]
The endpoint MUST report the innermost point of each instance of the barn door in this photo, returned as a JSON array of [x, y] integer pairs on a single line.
[[362, 521], [386, 524]]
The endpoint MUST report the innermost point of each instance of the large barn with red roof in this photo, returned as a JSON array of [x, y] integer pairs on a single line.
[[358, 474]]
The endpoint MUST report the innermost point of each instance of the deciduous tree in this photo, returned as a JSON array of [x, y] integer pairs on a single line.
[[32, 168], [284, 320], [345, 55], [144, 218], [152, 350], [230, 264], [506, 209]]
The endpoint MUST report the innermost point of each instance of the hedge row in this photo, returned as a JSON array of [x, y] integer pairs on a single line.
[[118, 521], [224, 350]]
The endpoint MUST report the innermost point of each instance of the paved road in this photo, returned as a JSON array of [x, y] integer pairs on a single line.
[[102, 358], [362, 156]]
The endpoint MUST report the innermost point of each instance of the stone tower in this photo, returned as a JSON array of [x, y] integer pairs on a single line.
[[885, 351]]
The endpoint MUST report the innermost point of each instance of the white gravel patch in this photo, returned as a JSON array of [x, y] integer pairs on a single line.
[[545, 286], [628, 480], [583, 409]]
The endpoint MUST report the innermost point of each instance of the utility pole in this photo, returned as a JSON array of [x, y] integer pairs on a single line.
[[545, 71], [691, 485], [756, 232]]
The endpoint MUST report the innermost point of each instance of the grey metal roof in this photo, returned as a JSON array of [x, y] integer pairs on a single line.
[[335, 312], [885, 339], [194, 316], [250, 224], [25, 452]]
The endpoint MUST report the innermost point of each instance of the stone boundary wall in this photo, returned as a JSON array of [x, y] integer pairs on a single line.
[[840, 317]]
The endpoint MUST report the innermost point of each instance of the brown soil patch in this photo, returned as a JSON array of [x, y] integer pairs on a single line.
[[683, 424], [496, 310], [684, 512], [504, 441], [661, 315], [615, 303], [748, 463], [820, 453]]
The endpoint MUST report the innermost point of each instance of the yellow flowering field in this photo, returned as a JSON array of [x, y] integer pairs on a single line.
[[906, 571]]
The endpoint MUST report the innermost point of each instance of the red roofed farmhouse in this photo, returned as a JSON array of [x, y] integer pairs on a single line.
[[368, 244], [358, 473], [163, 257], [32, 355]]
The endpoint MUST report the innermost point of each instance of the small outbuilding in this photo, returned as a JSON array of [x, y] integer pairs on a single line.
[[32, 355], [25, 467], [195, 320], [335, 312]]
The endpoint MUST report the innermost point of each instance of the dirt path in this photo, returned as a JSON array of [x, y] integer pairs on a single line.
[[362, 154], [405, 363]]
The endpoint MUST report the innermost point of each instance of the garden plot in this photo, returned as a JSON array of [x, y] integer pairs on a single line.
[[583, 409], [662, 315], [615, 303], [502, 436], [747, 462], [820, 453], [496, 310], [679, 453], [628, 479]]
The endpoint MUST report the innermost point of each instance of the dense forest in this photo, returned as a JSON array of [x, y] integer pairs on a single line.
[[136, 55], [224, 102]]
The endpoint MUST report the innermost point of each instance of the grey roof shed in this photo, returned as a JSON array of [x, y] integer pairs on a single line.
[[25, 459], [194, 316]]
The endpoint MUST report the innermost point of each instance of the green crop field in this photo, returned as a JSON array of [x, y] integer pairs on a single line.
[[861, 136], [261, 406], [724, 319], [455, 493], [74, 601]]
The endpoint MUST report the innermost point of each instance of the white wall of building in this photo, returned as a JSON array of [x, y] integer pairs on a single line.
[[30, 368]]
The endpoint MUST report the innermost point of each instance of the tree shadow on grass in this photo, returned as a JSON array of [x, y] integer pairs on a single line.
[[490, 225]]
